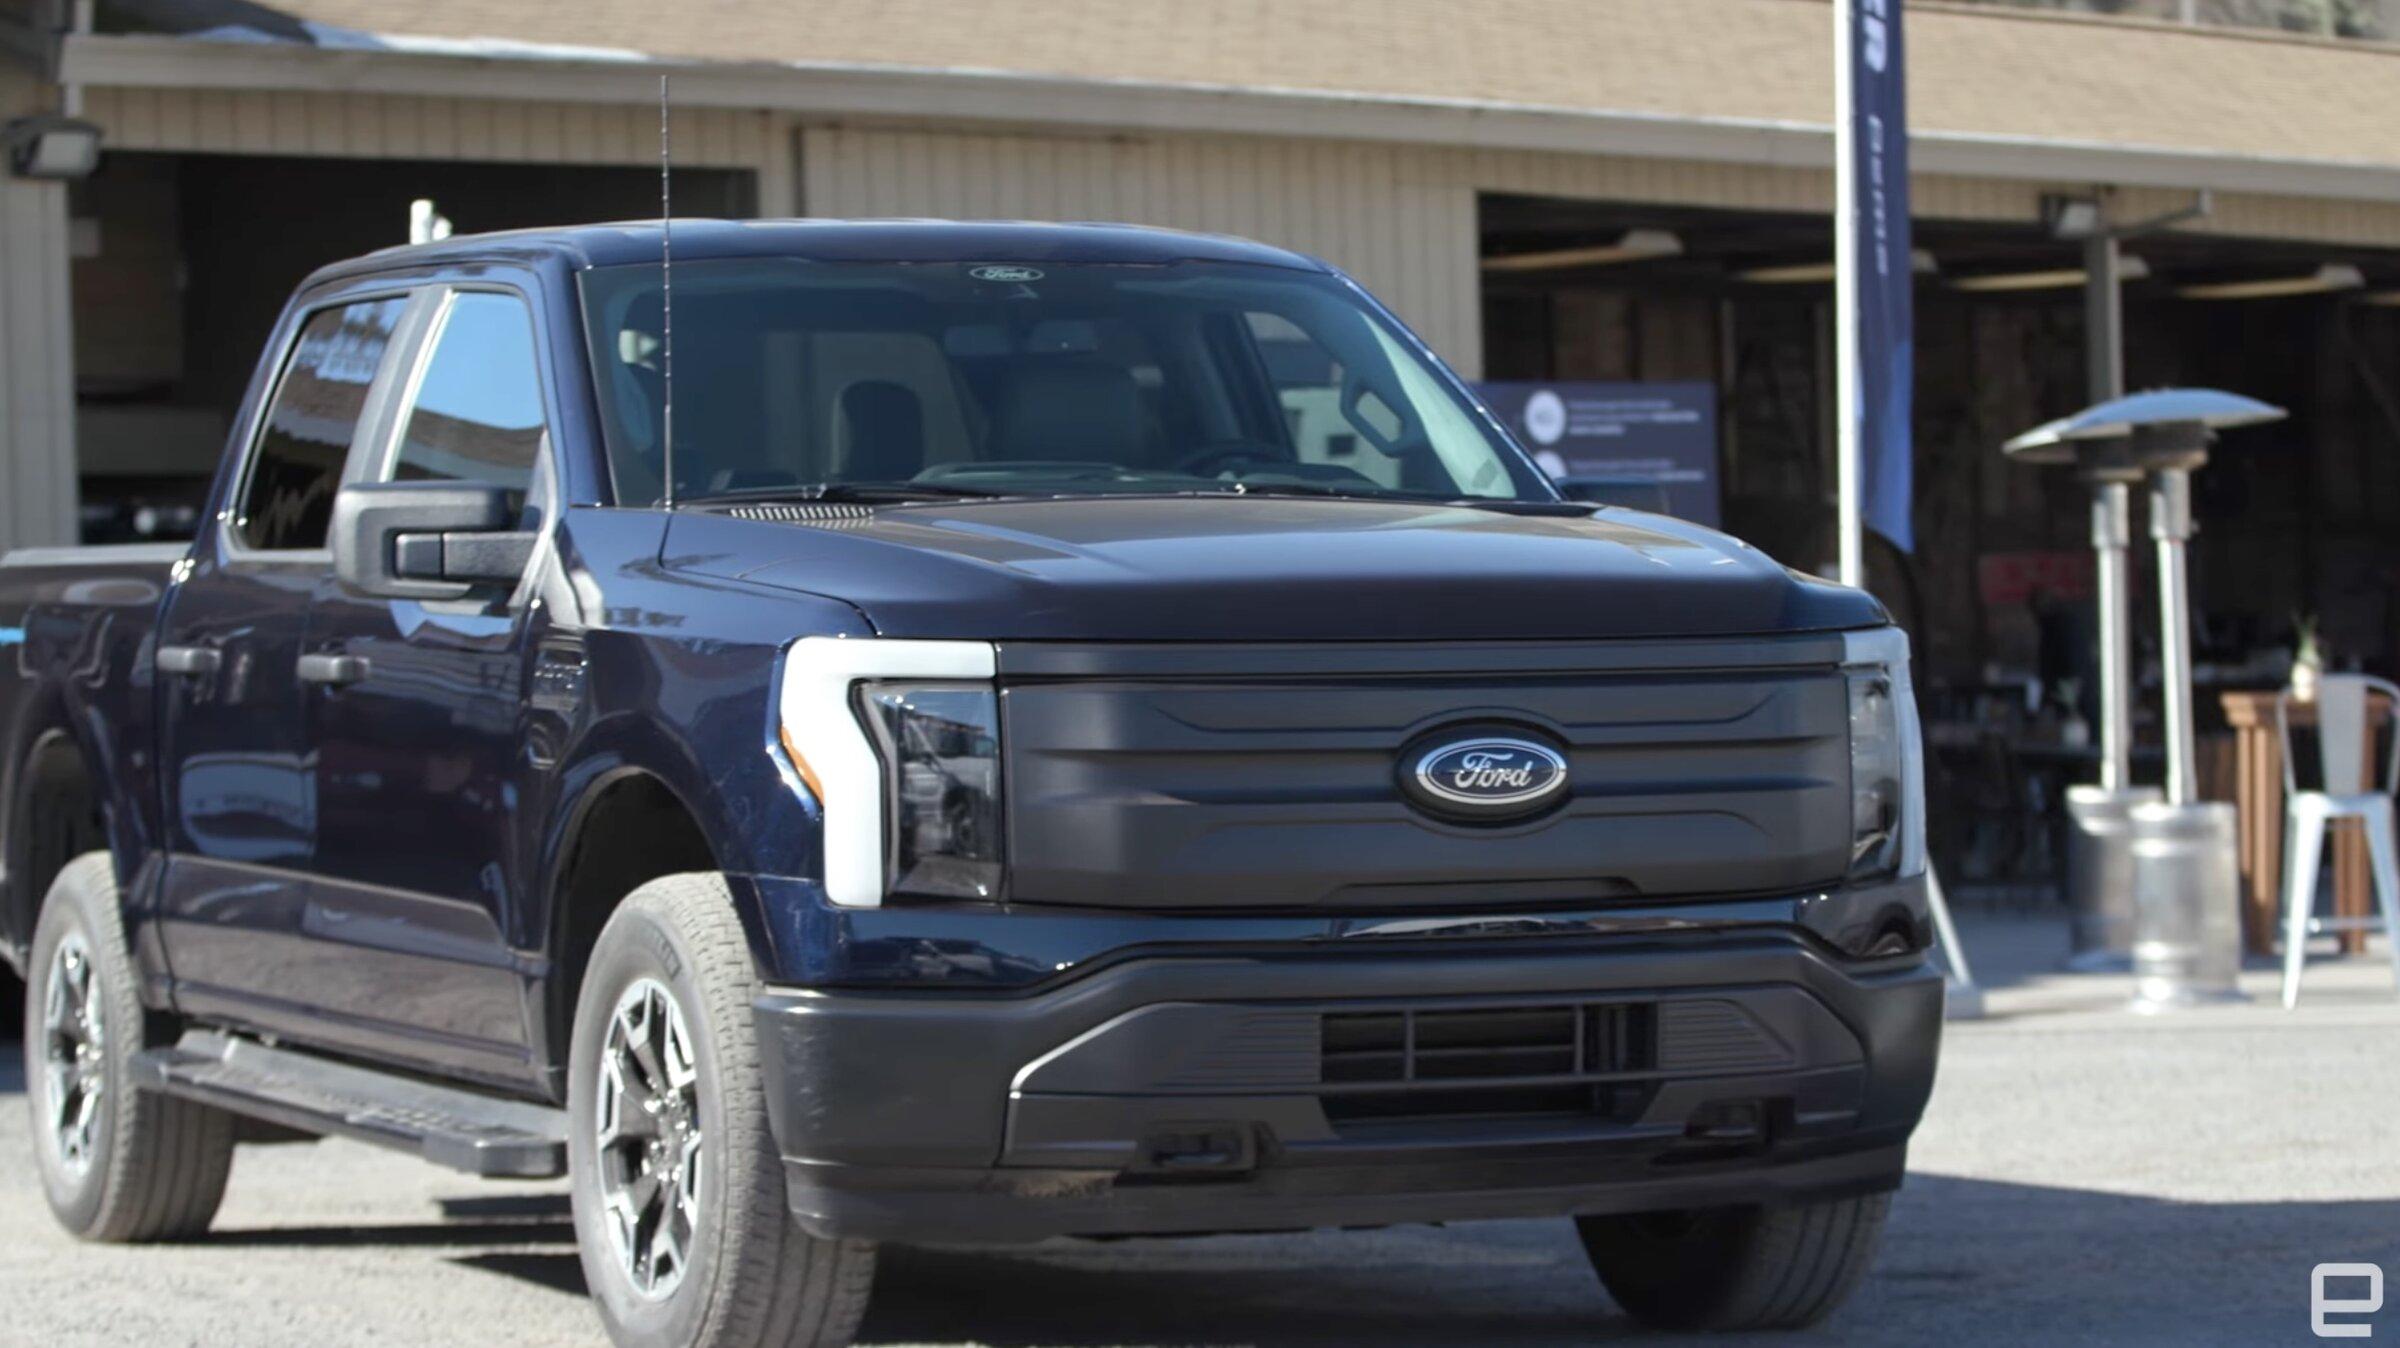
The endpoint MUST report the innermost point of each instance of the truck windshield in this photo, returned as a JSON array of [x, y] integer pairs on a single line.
[[960, 378]]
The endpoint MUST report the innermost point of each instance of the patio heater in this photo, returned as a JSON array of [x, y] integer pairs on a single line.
[[2175, 871], [2099, 872]]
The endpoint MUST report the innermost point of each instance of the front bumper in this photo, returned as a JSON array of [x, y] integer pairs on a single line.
[[1300, 1087]]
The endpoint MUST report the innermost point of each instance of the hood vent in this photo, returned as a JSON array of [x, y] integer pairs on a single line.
[[829, 514]]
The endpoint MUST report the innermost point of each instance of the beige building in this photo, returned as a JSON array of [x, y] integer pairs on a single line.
[[1413, 142]]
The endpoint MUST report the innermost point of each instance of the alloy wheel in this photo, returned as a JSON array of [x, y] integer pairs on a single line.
[[649, 1143], [74, 1065]]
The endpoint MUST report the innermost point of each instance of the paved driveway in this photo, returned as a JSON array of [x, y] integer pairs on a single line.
[[2084, 1178]]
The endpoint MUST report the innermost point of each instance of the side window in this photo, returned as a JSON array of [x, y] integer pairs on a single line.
[[288, 500], [477, 414]]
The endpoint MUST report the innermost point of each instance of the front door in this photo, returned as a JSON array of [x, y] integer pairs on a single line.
[[422, 776], [239, 778]]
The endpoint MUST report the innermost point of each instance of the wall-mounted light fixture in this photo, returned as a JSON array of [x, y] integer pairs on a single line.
[[1818, 273], [2073, 217], [2055, 278], [2332, 276], [51, 146], [1635, 246]]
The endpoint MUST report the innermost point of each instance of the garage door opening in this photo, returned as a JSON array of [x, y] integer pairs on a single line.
[[182, 262]]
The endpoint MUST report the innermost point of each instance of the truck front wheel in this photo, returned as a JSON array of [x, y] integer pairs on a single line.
[[680, 1211], [118, 1163], [1735, 1268]]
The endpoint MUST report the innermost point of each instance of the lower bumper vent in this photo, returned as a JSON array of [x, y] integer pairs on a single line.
[[1515, 1060]]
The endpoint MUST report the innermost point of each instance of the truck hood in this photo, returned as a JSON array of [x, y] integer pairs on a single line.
[[1262, 569]]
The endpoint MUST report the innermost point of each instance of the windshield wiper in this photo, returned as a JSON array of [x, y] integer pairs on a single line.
[[1337, 491], [1247, 488], [867, 493], [1525, 505], [1508, 505]]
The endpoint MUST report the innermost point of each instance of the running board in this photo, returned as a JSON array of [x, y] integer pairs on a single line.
[[480, 1134]]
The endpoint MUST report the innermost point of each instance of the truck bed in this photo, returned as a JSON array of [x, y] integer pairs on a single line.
[[75, 647]]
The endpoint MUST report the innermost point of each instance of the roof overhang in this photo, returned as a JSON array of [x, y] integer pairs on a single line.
[[571, 75]]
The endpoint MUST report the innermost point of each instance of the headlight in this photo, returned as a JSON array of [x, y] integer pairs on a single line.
[[898, 744], [1874, 777], [1887, 772], [940, 746]]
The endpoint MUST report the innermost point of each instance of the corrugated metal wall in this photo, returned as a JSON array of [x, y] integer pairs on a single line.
[[1407, 234], [398, 126], [37, 377], [1402, 218]]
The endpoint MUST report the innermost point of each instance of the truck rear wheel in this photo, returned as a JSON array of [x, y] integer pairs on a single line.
[[681, 1216], [118, 1163], [1735, 1268]]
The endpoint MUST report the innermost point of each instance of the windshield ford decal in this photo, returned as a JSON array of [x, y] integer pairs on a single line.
[[1485, 775]]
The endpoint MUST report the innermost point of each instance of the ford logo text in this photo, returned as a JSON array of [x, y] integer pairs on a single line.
[[1488, 776]]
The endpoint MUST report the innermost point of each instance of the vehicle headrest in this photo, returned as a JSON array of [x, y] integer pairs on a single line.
[[885, 423], [1070, 408]]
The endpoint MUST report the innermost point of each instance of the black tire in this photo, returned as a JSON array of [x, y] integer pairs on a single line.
[[1735, 1268], [152, 1167], [12, 1005], [753, 1278]]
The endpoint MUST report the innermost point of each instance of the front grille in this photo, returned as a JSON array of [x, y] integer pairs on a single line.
[[1551, 1059], [1710, 778]]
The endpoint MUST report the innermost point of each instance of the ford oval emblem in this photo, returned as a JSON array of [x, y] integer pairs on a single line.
[[1006, 274], [1485, 776]]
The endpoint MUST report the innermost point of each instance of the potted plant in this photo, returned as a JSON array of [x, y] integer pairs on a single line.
[[2308, 660]]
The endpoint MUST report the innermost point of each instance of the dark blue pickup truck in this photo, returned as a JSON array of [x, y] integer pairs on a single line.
[[922, 731]]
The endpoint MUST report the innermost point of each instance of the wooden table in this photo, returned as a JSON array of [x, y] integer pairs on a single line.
[[2257, 793]]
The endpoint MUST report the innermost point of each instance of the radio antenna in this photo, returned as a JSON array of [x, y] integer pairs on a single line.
[[666, 292]]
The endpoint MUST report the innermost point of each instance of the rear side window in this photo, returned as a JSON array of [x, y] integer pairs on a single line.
[[288, 500], [477, 415]]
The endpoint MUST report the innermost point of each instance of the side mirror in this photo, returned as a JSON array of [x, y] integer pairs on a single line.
[[427, 540]]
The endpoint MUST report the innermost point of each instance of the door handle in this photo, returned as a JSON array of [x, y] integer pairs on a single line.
[[189, 660], [336, 670]]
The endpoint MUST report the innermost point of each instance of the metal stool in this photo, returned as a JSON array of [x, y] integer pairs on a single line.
[[2342, 748]]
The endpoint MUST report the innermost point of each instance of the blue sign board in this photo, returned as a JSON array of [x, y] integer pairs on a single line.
[[1650, 445], [1884, 276]]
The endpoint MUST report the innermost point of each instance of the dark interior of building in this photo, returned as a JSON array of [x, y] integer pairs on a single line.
[[184, 261], [2299, 520]]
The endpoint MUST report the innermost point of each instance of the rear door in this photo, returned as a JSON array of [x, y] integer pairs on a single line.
[[240, 778], [423, 772]]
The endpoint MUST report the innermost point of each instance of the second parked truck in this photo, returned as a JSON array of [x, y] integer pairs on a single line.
[[972, 732]]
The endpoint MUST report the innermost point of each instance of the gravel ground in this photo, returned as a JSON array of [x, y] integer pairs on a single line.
[[2084, 1177]]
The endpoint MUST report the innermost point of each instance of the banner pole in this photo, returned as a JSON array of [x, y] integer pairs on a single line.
[[1848, 409], [1880, 39]]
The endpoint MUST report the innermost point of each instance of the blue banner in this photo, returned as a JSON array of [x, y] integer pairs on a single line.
[[1884, 277]]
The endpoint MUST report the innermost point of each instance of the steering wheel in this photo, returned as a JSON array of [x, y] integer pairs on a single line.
[[1210, 459]]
